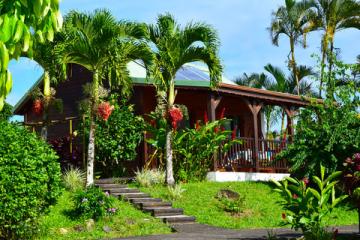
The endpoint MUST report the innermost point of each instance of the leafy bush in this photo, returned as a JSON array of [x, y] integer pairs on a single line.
[[92, 203], [194, 150], [74, 179], [306, 207], [149, 177], [328, 132], [30, 181], [67, 159], [6, 112], [117, 138], [175, 192]]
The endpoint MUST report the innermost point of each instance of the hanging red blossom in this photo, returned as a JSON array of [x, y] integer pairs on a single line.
[[206, 119], [176, 116], [233, 133], [38, 106], [105, 110]]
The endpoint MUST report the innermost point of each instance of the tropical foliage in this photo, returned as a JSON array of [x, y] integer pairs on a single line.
[[327, 132], [306, 206], [6, 112], [21, 22], [29, 181], [174, 47], [104, 47]]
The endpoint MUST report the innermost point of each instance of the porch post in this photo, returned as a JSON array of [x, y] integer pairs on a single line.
[[212, 104], [290, 113], [255, 108]]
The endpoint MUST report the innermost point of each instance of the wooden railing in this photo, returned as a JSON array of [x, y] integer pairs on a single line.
[[242, 156]]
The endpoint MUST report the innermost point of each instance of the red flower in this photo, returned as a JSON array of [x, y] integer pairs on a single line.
[[38, 106], [216, 129], [175, 116], [233, 134], [295, 196], [206, 120], [105, 110], [197, 126], [306, 181], [222, 113], [283, 216]]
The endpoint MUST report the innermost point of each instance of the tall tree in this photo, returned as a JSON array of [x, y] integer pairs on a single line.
[[174, 47], [293, 20], [103, 46], [20, 22], [333, 16]]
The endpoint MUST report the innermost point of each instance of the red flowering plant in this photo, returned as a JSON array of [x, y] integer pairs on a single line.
[[305, 207], [351, 180], [104, 110], [175, 117]]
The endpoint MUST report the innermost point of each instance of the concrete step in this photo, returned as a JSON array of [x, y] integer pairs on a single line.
[[144, 200], [104, 180], [163, 211], [176, 219], [122, 190], [128, 196], [153, 204], [107, 186]]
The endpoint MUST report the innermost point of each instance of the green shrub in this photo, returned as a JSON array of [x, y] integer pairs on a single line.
[[232, 205], [74, 179], [149, 177], [6, 112], [92, 203], [305, 206], [30, 181]]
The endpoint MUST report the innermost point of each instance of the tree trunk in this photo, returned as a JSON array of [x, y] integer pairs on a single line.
[[169, 159], [91, 145], [323, 57], [282, 122], [47, 99], [293, 65]]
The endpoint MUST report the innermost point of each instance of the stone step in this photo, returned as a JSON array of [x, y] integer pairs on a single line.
[[153, 204], [144, 200], [176, 219], [122, 190], [106, 186], [163, 211], [105, 181], [128, 196]]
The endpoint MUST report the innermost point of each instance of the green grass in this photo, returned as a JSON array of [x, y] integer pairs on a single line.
[[262, 209], [127, 222]]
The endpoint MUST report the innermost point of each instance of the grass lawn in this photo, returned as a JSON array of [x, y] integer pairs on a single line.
[[127, 222], [261, 207]]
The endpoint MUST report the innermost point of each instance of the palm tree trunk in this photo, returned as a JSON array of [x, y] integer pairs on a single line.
[[169, 159], [330, 93], [91, 146], [168, 144], [282, 122], [293, 65], [47, 96], [323, 57]]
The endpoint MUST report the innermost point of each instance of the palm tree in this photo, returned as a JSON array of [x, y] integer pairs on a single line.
[[176, 46], [333, 16], [103, 46], [254, 80], [288, 84], [54, 71], [292, 20]]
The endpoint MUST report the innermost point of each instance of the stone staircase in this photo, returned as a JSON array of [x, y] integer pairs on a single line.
[[143, 201]]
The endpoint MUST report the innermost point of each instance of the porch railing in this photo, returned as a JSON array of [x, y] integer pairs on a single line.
[[242, 156]]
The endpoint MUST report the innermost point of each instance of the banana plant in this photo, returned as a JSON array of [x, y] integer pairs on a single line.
[[21, 21], [308, 203]]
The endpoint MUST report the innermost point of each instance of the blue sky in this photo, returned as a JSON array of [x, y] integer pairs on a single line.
[[241, 24]]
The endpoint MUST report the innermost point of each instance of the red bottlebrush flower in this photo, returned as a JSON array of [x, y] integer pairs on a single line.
[[233, 134], [222, 113], [206, 120], [306, 181], [176, 116], [197, 125], [283, 216], [105, 110], [38, 106], [295, 196]]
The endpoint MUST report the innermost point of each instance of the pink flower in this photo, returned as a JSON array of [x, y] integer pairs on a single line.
[[306, 181]]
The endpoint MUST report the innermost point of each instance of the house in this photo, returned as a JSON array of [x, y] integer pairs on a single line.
[[242, 104]]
